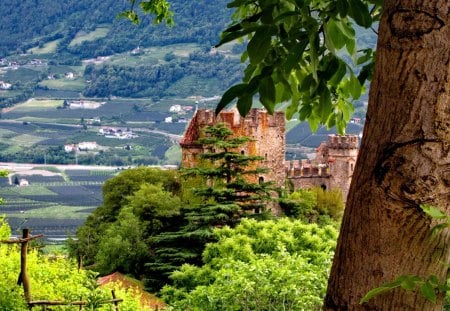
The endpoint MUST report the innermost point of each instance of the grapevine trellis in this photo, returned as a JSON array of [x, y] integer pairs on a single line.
[[24, 279]]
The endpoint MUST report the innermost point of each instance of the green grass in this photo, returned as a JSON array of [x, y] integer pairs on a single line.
[[64, 84], [38, 104], [26, 140], [52, 169], [81, 36], [22, 75], [49, 120], [154, 54], [56, 212], [49, 47], [6, 134], [32, 190]]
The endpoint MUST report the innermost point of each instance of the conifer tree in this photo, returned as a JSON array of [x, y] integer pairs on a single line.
[[227, 196]]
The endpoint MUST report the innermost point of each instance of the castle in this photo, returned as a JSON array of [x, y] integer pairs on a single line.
[[332, 168]]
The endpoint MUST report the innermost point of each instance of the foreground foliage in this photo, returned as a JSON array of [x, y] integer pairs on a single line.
[[267, 265], [53, 278]]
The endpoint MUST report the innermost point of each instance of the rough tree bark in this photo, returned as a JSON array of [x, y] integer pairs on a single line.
[[404, 161]]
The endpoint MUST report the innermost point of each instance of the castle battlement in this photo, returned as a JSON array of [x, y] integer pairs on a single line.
[[342, 142], [306, 169], [332, 168], [255, 118]]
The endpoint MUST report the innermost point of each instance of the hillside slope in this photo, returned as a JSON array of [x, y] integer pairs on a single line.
[[31, 23]]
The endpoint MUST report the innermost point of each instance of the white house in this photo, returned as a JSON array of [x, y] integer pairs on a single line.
[[175, 108], [5, 86], [87, 145], [70, 148]]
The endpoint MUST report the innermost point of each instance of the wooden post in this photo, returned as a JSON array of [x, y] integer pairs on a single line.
[[23, 278], [116, 304]]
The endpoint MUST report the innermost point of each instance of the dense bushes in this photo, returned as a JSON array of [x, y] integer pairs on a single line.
[[267, 265], [314, 205]]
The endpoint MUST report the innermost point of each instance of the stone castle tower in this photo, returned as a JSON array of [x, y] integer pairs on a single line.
[[331, 169], [267, 133]]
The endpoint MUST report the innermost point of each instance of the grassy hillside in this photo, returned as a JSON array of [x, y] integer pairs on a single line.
[[90, 28]]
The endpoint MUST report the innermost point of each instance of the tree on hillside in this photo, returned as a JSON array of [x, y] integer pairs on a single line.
[[404, 158]]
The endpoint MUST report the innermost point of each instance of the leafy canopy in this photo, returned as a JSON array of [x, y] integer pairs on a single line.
[[267, 265], [302, 52]]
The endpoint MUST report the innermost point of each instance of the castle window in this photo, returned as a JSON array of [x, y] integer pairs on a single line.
[[265, 156], [351, 167], [261, 180], [242, 152], [323, 187]]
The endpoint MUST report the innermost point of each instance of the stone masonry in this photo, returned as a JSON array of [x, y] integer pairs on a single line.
[[332, 168]]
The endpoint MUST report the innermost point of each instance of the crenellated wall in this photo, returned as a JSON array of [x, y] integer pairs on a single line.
[[332, 168]]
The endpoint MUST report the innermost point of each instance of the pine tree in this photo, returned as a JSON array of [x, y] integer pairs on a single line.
[[227, 195]]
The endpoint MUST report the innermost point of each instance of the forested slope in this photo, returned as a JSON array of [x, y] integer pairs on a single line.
[[28, 23]]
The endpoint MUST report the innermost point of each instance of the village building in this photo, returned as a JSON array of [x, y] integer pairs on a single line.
[[332, 168], [87, 145], [5, 86]]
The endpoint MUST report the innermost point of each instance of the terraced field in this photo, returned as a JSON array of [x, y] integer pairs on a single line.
[[55, 202]]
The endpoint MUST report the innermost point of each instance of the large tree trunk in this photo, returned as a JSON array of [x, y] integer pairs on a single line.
[[404, 161]]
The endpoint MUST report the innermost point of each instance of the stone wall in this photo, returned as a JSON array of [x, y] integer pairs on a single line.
[[267, 133], [332, 168]]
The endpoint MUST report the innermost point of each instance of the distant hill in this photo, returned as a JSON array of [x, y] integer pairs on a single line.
[[302, 135], [32, 23]]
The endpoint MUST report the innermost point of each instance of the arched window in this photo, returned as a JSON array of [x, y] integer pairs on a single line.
[[260, 180]]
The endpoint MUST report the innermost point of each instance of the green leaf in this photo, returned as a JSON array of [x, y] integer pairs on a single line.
[[428, 292], [304, 112], [433, 212], [244, 104], [368, 55], [231, 36], [440, 227], [314, 122], [408, 284], [306, 83], [259, 45], [332, 66], [232, 93], [291, 109], [360, 13], [267, 94], [375, 292], [314, 43], [434, 281], [355, 87], [339, 75], [295, 55], [342, 7], [325, 106], [334, 36], [365, 73]]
